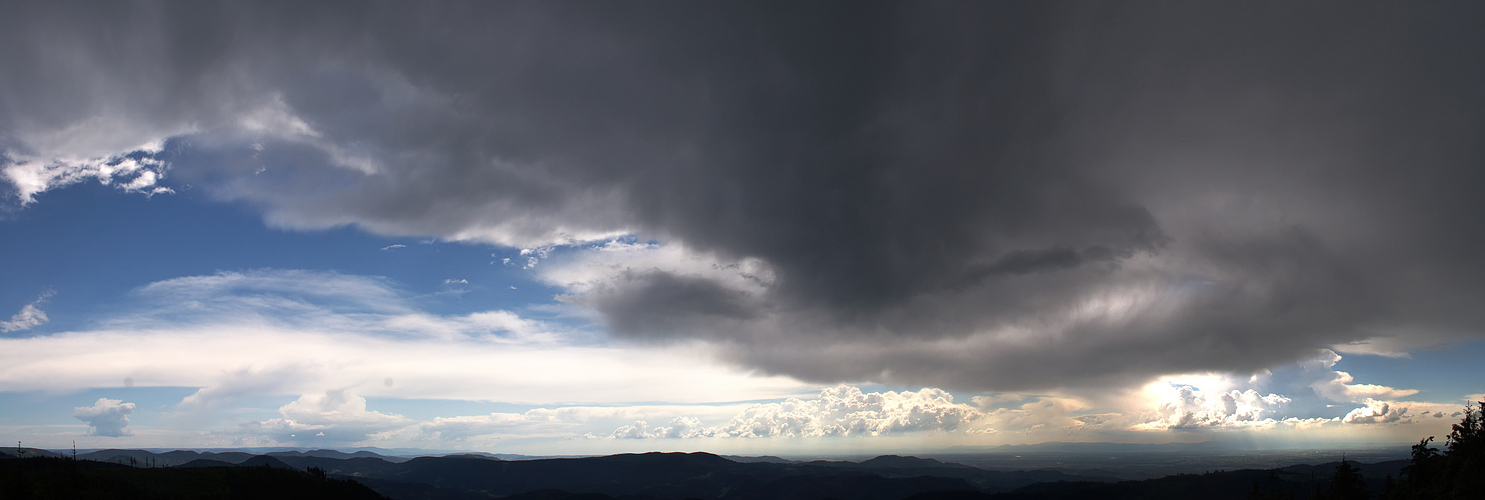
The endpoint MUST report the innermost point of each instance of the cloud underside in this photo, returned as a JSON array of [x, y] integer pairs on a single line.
[[978, 197]]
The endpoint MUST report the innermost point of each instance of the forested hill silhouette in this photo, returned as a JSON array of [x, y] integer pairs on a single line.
[[1455, 471], [63, 478], [629, 476]]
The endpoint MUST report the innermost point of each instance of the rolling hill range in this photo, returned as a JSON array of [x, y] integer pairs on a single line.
[[657, 476], [637, 476]]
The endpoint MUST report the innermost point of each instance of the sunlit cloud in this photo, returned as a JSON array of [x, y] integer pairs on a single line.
[[107, 417]]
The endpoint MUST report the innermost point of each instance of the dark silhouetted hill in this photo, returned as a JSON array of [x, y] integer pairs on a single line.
[[698, 475], [647, 476], [402, 490], [765, 458], [57, 478], [265, 461], [178, 457], [24, 452], [899, 462], [205, 462], [678, 476], [1226, 485], [335, 454], [557, 495]]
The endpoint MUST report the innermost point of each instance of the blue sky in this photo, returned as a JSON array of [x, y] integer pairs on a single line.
[[542, 229]]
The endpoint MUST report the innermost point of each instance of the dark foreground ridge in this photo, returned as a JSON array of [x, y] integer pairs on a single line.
[[1456, 471], [62, 478]]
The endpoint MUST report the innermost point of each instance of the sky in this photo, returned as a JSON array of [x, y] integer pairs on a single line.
[[782, 228]]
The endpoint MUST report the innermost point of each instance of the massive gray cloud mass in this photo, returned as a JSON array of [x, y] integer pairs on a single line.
[[972, 195]]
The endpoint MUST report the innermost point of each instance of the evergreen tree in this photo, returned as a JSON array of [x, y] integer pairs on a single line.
[[1347, 483], [1458, 472], [1465, 456]]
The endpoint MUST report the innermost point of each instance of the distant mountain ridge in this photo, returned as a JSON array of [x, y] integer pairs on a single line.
[[338, 454], [677, 476], [656, 475], [41, 477]]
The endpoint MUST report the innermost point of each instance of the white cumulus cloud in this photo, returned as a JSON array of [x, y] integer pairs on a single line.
[[107, 417], [1188, 407], [336, 416], [1338, 386], [679, 427], [839, 411], [1377, 412]]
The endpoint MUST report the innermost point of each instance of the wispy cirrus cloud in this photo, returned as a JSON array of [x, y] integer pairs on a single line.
[[30, 316], [286, 331]]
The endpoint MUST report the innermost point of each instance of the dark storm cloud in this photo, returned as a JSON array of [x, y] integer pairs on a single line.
[[972, 195], [655, 303]]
